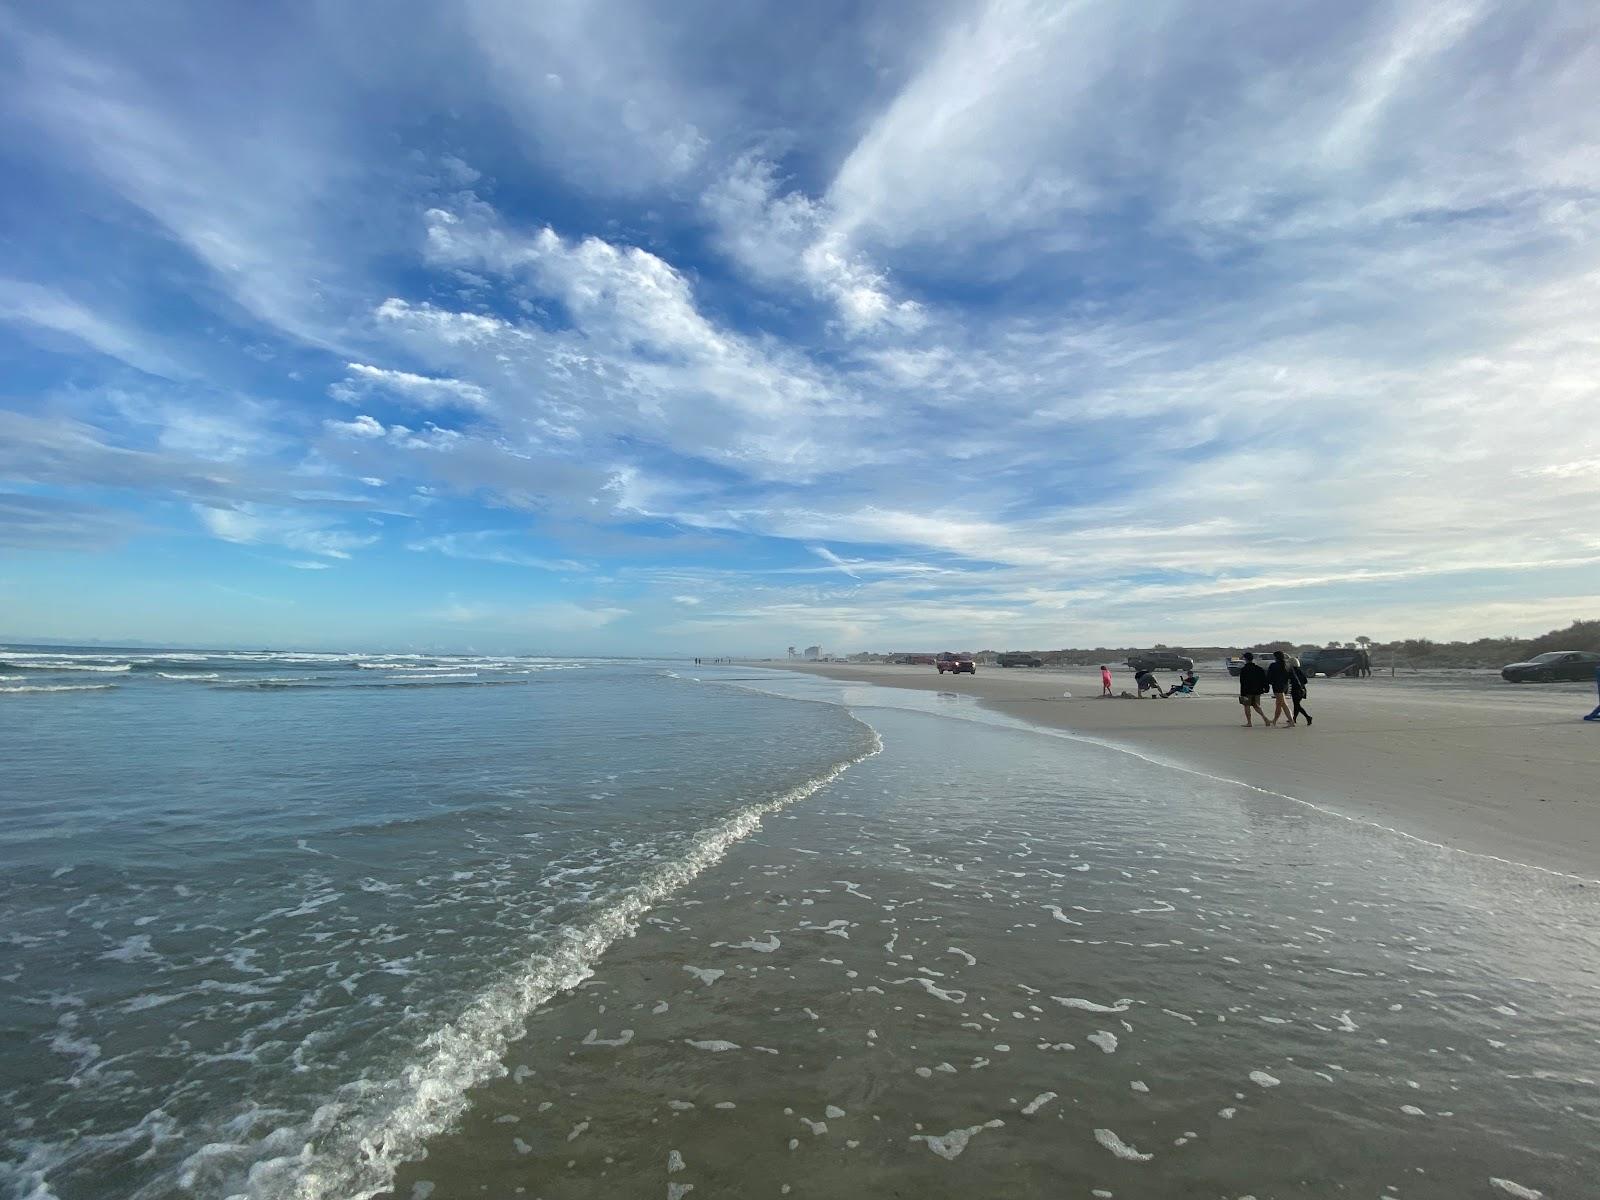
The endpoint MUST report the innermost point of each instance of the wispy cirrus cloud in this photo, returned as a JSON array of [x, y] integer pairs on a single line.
[[496, 546], [1028, 321], [255, 525], [47, 311]]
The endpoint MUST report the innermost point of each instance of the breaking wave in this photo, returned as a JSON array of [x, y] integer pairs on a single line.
[[60, 687], [353, 1144]]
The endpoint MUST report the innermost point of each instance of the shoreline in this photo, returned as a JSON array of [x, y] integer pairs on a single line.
[[1002, 974], [1504, 775]]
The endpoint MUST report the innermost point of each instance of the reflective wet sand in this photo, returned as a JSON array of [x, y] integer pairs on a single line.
[[988, 962]]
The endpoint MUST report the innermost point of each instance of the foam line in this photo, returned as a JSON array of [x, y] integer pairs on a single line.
[[390, 1122]]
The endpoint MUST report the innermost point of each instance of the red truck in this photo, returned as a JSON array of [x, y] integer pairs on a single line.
[[956, 664]]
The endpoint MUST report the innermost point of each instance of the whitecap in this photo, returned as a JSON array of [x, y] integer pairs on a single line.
[[1119, 1147], [61, 687], [950, 1145]]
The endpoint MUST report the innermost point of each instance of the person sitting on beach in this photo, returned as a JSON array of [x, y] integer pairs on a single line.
[[1105, 681], [1252, 684], [1183, 687], [1278, 681], [1147, 681]]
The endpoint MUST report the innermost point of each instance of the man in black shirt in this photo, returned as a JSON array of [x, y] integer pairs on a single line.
[[1252, 683]]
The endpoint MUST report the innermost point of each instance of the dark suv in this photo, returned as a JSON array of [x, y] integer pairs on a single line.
[[1159, 660], [1336, 660], [1015, 658]]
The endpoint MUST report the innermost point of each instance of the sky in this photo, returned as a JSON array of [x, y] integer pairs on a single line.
[[703, 328]]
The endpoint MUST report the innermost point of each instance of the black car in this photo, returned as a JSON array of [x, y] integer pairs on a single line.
[[1159, 660], [1015, 658], [1336, 660], [1557, 664]]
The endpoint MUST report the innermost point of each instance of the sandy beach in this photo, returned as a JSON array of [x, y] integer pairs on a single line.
[[1506, 771]]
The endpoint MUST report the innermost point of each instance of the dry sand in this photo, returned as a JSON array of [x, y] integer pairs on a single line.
[[1506, 771]]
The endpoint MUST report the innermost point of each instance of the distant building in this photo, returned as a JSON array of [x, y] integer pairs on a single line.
[[812, 653], [793, 653]]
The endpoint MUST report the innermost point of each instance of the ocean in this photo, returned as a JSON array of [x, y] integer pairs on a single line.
[[317, 925]]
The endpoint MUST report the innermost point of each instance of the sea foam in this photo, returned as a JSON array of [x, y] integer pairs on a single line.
[[374, 1126]]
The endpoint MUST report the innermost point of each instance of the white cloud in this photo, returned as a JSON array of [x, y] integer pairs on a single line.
[[787, 237], [252, 524], [590, 88], [48, 310], [553, 617], [491, 546], [419, 391], [251, 209], [363, 426], [1128, 315], [369, 428], [641, 359]]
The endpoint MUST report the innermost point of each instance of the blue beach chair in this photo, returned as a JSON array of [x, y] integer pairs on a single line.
[[1595, 715], [1184, 687]]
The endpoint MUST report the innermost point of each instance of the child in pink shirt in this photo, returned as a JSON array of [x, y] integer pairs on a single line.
[[1105, 681]]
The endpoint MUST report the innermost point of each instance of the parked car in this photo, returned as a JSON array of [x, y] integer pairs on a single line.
[[1335, 660], [1159, 660], [1016, 658], [956, 664], [1557, 664]]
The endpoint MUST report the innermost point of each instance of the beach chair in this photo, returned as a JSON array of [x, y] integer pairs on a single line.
[[1595, 715], [1183, 687]]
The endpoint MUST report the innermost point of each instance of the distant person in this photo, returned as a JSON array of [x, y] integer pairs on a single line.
[[1252, 686], [1278, 681], [1297, 692], [1105, 681], [1147, 681]]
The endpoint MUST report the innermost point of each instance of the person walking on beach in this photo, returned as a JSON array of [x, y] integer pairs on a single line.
[[1278, 681], [1105, 681], [1252, 684], [1297, 692]]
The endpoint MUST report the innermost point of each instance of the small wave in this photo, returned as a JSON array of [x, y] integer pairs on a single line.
[[56, 665], [373, 1126], [386, 685], [61, 687], [202, 676], [439, 682]]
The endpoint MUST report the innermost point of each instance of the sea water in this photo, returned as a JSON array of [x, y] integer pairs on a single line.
[[255, 902], [612, 929]]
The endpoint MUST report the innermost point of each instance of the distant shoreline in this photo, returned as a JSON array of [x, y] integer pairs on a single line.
[[1504, 773]]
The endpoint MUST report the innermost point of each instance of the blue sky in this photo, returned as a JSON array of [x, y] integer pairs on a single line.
[[707, 328]]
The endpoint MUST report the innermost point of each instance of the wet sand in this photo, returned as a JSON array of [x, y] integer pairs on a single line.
[[1494, 769], [988, 963]]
